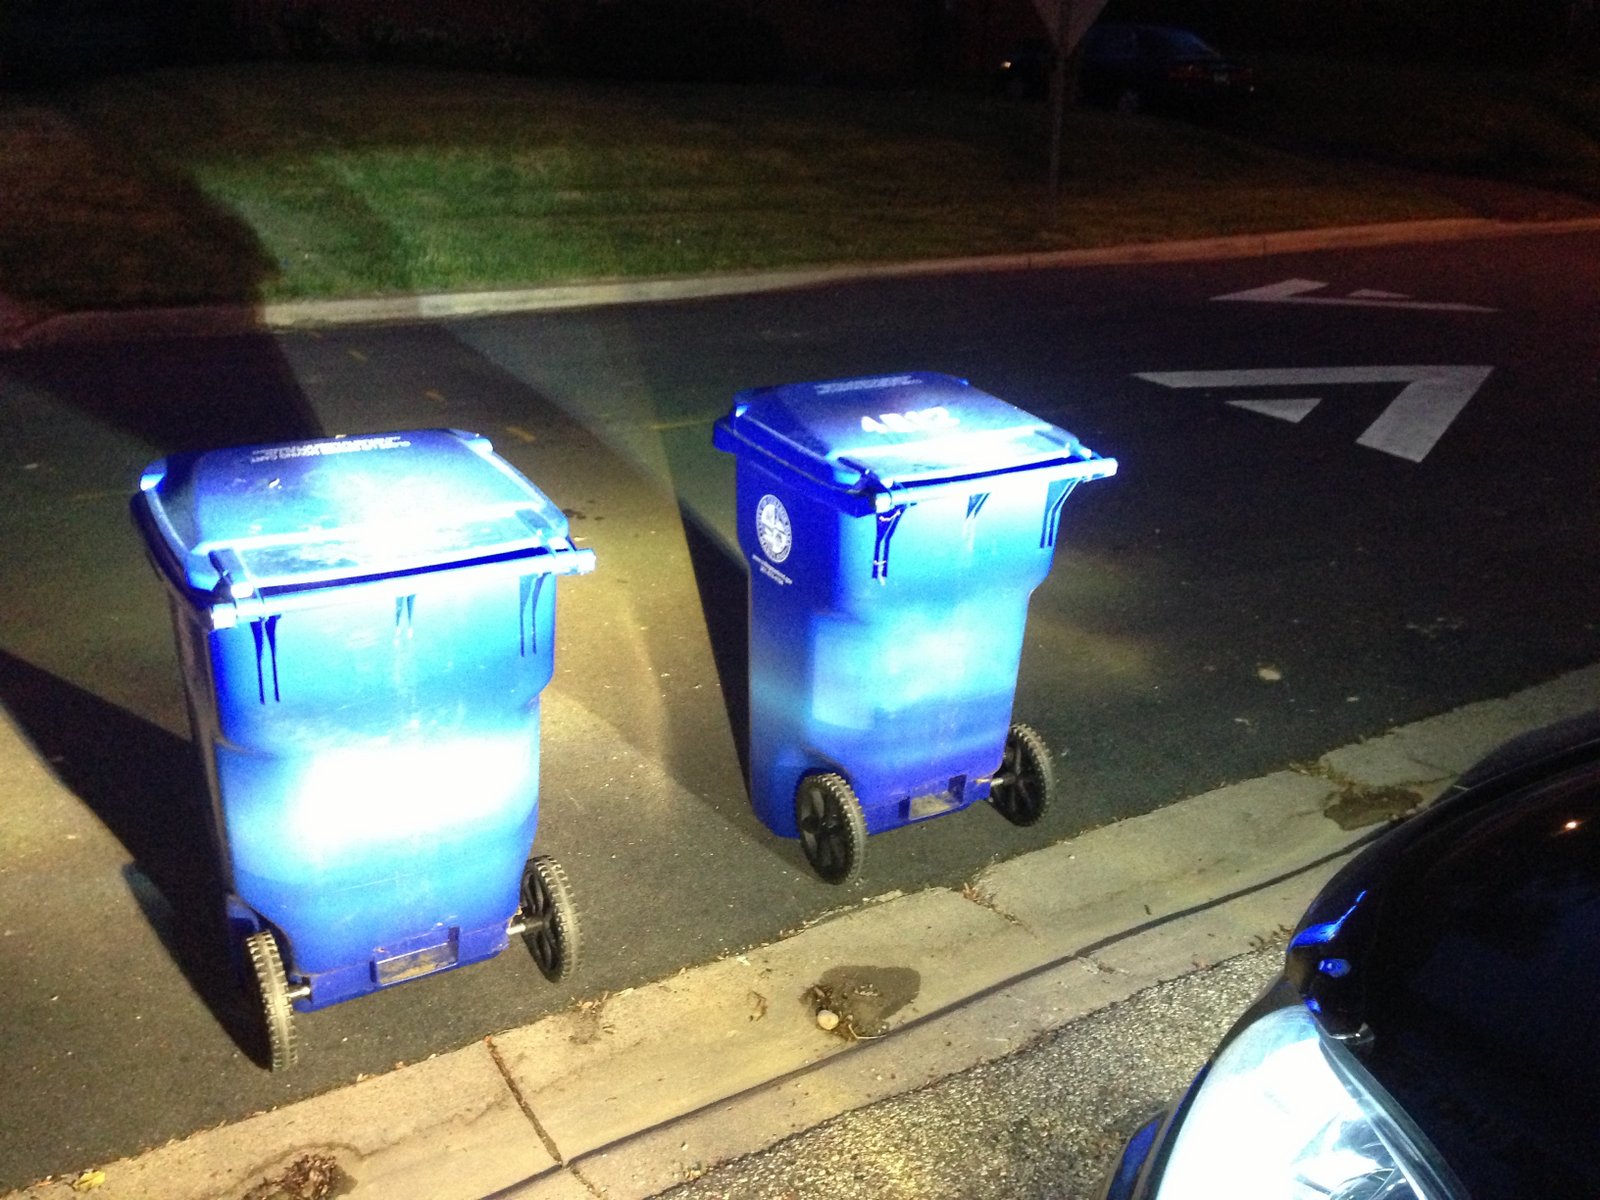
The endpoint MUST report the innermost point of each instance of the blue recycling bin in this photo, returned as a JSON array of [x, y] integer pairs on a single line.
[[364, 626], [895, 528]]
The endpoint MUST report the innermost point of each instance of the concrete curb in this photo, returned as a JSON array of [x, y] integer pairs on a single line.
[[19, 331], [627, 1095]]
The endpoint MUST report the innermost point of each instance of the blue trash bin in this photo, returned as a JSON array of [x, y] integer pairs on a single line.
[[895, 527], [364, 626]]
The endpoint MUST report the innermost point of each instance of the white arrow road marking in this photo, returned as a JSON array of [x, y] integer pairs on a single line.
[[1293, 411], [1419, 415], [1293, 291], [1414, 421]]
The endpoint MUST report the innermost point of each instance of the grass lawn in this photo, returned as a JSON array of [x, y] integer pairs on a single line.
[[271, 182]]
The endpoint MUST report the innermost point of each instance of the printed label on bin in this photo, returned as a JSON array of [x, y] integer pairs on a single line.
[[770, 571], [875, 384], [266, 454], [892, 429], [916, 420], [310, 513]]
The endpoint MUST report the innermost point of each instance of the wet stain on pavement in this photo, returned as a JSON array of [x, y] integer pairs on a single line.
[[313, 1176], [862, 998], [1356, 807]]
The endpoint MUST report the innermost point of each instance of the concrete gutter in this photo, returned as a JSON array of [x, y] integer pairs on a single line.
[[627, 1095], [19, 330]]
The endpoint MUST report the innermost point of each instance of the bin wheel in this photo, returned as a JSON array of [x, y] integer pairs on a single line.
[[833, 830], [550, 920], [1026, 782], [272, 999]]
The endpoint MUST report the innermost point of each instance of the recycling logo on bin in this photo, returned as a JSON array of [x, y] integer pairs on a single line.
[[773, 530]]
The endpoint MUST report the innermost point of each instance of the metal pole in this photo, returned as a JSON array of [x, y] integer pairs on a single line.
[[1058, 106]]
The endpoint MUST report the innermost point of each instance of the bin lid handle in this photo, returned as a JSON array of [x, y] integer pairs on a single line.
[[233, 577], [864, 474]]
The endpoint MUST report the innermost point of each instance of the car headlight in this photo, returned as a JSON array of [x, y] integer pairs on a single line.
[[1285, 1113]]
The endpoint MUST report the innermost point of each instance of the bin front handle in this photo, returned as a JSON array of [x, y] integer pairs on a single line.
[[886, 496], [228, 611]]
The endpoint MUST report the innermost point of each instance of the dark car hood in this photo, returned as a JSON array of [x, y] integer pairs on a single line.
[[1460, 959]]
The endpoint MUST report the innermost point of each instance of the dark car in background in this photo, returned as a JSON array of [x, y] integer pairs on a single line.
[[1434, 1034], [1159, 69]]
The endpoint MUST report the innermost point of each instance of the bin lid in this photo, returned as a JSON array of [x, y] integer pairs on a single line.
[[314, 513], [893, 431]]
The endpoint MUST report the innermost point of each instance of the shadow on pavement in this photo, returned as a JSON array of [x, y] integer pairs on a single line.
[[177, 394], [604, 457], [146, 787], [91, 411], [724, 587]]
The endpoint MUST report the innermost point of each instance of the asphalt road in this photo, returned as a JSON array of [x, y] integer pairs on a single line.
[[1261, 582]]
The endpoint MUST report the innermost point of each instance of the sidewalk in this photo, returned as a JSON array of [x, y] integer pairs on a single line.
[[627, 1095]]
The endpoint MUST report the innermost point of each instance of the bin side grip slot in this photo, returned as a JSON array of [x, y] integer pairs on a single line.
[[887, 521], [405, 615], [530, 587], [1055, 501], [265, 632], [969, 527]]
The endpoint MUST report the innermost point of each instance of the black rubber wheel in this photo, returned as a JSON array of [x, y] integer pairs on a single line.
[[1026, 782], [272, 997], [833, 830], [550, 920]]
